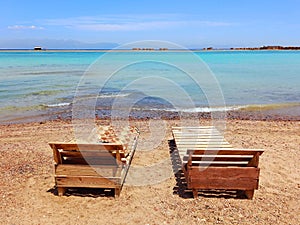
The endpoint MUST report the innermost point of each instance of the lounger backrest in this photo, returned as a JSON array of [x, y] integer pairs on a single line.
[[95, 154], [224, 157]]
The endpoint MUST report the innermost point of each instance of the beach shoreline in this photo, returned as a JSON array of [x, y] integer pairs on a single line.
[[151, 50], [28, 195], [278, 112]]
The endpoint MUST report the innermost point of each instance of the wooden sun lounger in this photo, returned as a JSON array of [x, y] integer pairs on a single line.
[[210, 162], [96, 165]]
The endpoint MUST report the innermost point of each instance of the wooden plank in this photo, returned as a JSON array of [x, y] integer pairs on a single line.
[[219, 157], [208, 143], [193, 128], [195, 134], [196, 144], [200, 147], [203, 146], [88, 182], [224, 173], [217, 163], [87, 147], [90, 161], [100, 153], [84, 170], [200, 138], [241, 178], [195, 131], [210, 150], [56, 156], [207, 139], [180, 134], [220, 151], [201, 130], [219, 183]]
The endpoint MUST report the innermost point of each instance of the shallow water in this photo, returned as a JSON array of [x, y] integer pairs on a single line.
[[45, 83]]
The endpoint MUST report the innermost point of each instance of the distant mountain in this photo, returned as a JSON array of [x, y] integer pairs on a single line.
[[54, 44]]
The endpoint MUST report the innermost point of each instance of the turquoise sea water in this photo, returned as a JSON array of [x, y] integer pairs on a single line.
[[44, 83]]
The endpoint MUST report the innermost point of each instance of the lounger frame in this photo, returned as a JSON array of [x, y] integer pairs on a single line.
[[210, 162], [92, 165]]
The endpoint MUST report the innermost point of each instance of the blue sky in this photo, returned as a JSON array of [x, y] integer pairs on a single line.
[[194, 23]]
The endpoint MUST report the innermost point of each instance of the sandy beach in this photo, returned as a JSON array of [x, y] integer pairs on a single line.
[[27, 194]]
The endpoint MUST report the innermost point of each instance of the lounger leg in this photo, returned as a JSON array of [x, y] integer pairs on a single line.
[[117, 192], [249, 194], [61, 191], [195, 193], [115, 169]]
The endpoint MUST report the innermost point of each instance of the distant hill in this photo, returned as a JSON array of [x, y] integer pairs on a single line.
[[54, 44]]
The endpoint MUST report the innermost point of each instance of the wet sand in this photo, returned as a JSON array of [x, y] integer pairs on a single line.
[[28, 196]]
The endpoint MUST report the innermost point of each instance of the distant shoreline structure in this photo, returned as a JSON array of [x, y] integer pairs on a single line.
[[161, 49], [37, 48], [269, 47]]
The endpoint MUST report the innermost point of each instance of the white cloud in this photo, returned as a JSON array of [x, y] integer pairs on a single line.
[[129, 26], [132, 22], [22, 27], [214, 23]]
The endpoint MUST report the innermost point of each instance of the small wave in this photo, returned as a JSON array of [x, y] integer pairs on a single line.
[[65, 72], [44, 93], [261, 107], [113, 95], [204, 109], [58, 105]]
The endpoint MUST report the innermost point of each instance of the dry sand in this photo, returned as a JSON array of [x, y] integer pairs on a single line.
[[27, 194]]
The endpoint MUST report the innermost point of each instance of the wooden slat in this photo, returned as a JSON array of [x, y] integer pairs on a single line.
[[241, 178], [197, 129], [191, 133], [226, 173], [181, 134], [96, 154], [218, 163], [193, 128], [202, 143], [219, 157], [208, 139], [200, 138], [220, 151], [229, 184], [209, 149], [87, 147], [199, 147], [204, 130], [209, 142], [91, 160], [84, 170], [56, 155], [88, 182]]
